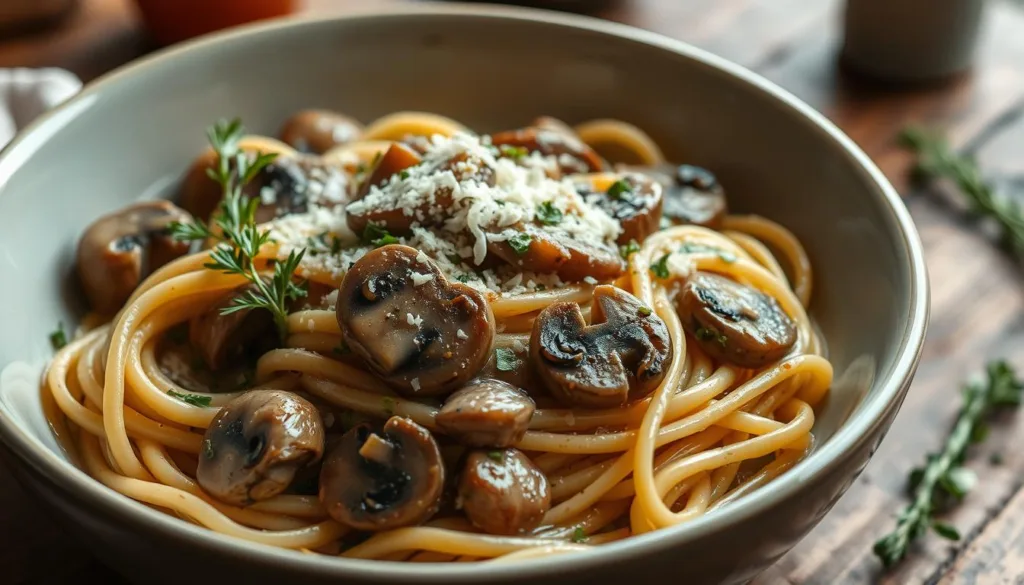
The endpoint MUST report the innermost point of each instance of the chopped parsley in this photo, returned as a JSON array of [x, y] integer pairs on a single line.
[[513, 152], [58, 338], [708, 334], [378, 236], [463, 278], [189, 398], [520, 243], [578, 535], [629, 249], [660, 268], [496, 456], [645, 311], [389, 405], [403, 174], [618, 189], [690, 248], [208, 449], [506, 359], [548, 214]]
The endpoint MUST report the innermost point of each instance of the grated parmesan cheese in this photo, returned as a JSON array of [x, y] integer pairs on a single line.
[[461, 334], [420, 279], [414, 320]]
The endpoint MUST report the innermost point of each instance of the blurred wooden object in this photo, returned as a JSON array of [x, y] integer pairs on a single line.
[[977, 292]]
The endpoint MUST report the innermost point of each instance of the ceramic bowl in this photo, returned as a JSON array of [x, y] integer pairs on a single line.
[[133, 133]]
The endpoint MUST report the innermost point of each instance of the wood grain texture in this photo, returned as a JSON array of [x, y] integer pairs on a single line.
[[977, 293]]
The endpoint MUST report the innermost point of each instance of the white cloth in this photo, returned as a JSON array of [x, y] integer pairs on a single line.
[[26, 93]]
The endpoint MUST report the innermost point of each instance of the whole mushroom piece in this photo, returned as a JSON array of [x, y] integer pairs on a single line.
[[318, 131], [733, 322], [486, 413], [256, 444], [503, 492], [695, 197], [422, 334], [623, 355], [119, 250], [221, 338], [382, 480]]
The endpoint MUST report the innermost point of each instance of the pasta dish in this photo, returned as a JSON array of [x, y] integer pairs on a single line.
[[408, 341]]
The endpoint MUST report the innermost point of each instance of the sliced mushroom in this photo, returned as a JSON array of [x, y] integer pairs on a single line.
[[119, 250], [622, 356], [695, 198], [221, 339], [543, 251], [256, 444], [733, 322], [420, 333], [634, 200], [503, 492], [318, 131], [553, 124], [382, 480], [486, 413], [572, 155], [398, 215]]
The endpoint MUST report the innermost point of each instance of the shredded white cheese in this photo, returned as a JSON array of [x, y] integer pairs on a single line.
[[420, 279], [414, 320]]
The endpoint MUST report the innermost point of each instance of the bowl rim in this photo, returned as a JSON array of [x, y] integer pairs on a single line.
[[860, 427]]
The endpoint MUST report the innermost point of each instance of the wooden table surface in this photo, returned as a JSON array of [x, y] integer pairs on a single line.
[[977, 298]]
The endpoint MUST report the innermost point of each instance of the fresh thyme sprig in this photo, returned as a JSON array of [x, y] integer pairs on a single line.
[[942, 475], [936, 160], [238, 241]]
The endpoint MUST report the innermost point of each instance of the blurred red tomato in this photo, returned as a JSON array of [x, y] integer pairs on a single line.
[[171, 21]]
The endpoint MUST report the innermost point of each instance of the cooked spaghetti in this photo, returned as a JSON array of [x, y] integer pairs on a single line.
[[409, 342]]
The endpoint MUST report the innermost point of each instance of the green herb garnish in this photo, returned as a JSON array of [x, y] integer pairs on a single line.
[[618, 189], [629, 249], [708, 334], [189, 398], [645, 311], [943, 474], [513, 152], [496, 455], [239, 240], [58, 338], [463, 278], [378, 236], [692, 248], [520, 243], [578, 535], [548, 214], [208, 449], [403, 174], [936, 160], [660, 268], [506, 359]]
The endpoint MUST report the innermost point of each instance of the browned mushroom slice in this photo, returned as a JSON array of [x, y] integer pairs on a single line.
[[318, 131], [256, 444], [554, 125], [119, 250], [634, 201], [622, 356], [572, 155], [379, 481], [537, 250], [503, 492], [486, 413], [220, 339], [695, 197], [394, 218], [735, 323], [420, 333]]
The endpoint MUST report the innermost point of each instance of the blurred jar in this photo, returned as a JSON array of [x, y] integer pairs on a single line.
[[170, 21], [19, 15], [910, 40]]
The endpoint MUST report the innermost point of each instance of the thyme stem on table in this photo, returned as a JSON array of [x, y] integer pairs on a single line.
[[942, 475], [937, 160]]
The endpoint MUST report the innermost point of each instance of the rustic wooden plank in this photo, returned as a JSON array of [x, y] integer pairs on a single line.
[[976, 306]]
